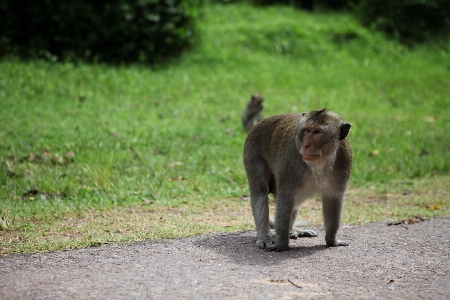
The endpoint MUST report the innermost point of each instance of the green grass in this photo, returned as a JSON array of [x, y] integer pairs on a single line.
[[93, 140]]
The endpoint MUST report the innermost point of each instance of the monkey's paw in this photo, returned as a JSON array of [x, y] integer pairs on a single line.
[[295, 233], [264, 244], [337, 243], [277, 248]]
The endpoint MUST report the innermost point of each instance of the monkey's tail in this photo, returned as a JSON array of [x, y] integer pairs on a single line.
[[297, 223]]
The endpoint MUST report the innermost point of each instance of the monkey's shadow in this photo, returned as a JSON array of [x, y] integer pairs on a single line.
[[241, 248]]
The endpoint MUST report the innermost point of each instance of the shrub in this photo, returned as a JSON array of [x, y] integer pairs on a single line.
[[406, 20], [106, 30], [338, 4], [311, 4], [306, 4]]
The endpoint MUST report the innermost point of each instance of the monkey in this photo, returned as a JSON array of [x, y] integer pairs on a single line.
[[294, 157], [253, 112]]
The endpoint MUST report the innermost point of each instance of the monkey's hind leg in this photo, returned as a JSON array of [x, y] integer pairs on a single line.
[[297, 232], [259, 192]]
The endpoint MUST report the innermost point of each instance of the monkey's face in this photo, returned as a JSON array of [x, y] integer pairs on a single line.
[[256, 102], [319, 134], [316, 143]]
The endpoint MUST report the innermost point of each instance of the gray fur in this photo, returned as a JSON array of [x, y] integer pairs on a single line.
[[253, 113], [275, 163]]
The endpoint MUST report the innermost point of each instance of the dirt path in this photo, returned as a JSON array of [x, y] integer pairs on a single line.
[[382, 262]]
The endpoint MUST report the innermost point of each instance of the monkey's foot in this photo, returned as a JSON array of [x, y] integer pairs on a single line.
[[337, 243], [264, 243], [278, 248], [295, 233]]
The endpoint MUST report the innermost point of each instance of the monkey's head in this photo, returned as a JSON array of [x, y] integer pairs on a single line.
[[256, 102], [320, 133]]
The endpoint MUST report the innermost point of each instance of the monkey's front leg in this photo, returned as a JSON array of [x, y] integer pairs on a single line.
[[285, 207], [332, 211], [260, 209]]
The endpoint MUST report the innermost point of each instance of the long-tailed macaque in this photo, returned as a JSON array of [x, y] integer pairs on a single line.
[[253, 112], [294, 157]]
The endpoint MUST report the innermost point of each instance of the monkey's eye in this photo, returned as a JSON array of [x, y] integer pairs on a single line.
[[314, 131]]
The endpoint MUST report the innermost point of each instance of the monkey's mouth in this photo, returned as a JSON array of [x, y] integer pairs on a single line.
[[309, 154], [310, 157]]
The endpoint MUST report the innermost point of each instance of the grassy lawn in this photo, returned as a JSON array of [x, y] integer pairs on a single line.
[[94, 154]]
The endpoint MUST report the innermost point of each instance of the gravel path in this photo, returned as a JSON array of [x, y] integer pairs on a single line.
[[381, 262]]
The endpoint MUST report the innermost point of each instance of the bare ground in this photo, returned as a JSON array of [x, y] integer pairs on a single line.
[[381, 262]]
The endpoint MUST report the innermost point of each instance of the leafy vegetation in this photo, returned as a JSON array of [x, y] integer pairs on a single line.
[[118, 31], [408, 21], [95, 154]]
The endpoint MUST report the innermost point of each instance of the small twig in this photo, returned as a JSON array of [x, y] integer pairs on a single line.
[[290, 281]]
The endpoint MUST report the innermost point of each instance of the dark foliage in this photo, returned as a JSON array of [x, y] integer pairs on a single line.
[[338, 4], [409, 21], [105, 30], [406, 20], [311, 4], [305, 4]]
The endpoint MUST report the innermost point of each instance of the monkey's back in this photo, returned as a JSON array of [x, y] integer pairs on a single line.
[[268, 135], [273, 140]]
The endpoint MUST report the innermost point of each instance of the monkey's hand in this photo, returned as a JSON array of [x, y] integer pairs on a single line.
[[295, 233]]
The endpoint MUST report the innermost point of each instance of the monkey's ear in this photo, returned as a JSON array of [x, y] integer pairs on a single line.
[[345, 128]]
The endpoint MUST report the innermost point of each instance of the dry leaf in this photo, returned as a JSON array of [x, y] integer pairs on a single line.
[[423, 152], [70, 154], [147, 201], [245, 197], [11, 174], [374, 153], [178, 179], [57, 159], [47, 153], [433, 207], [30, 194], [408, 221], [158, 151], [176, 163], [276, 280]]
